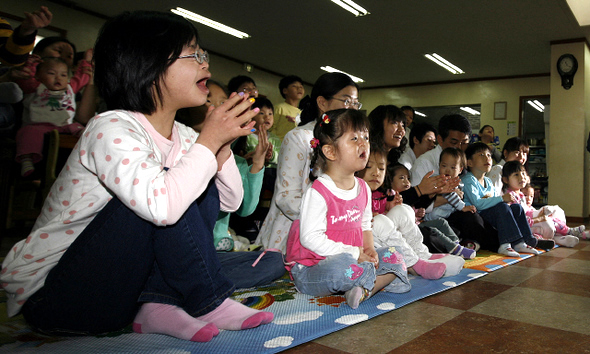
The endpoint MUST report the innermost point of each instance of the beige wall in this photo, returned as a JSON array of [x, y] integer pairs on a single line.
[[479, 92], [568, 131]]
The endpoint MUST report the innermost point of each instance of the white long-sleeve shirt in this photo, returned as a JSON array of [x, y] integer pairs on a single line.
[[314, 223], [120, 154]]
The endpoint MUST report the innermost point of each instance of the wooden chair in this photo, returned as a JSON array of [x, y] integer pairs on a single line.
[[26, 197], [57, 141]]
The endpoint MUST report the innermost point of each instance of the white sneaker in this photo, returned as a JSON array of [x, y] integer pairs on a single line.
[[524, 248], [507, 250]]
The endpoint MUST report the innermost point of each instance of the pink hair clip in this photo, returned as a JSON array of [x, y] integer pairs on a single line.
[[314, 143]]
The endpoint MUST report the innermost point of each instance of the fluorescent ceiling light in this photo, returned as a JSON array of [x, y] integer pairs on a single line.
[[420, 114], [333, 70], [351, 6], [470, 111], [581, 10], [208, 22], [537, 105], [444, 63]]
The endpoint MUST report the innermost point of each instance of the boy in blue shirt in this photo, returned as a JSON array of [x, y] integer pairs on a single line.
[[514, 232]]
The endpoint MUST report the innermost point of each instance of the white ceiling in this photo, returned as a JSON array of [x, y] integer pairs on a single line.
[[486, 39]]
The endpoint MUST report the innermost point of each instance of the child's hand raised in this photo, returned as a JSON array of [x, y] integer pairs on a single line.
[[260, 152], [469, 208], [33, 21], [228, 122]]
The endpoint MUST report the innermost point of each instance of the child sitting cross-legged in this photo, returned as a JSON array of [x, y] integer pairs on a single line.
[[514, 232], [330, 248]]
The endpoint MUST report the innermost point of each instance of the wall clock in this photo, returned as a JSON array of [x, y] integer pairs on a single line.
[[567, 65]]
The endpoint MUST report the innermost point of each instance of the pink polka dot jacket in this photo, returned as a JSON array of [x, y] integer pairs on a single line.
[[119, 154]]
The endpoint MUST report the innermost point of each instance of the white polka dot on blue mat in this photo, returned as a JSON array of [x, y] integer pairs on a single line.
[[283, 341], [450, 284], [297, 317], [386, 306], [352, 319]]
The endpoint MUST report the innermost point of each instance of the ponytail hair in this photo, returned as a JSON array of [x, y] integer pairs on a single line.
[[328, 129]]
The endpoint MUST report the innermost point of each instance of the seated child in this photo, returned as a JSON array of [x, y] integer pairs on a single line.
[[330, 248], [549, 222], [510, 221], [452, 163], [264, 121], [385, 231], [515, 149], [50, 106], [444, 237]]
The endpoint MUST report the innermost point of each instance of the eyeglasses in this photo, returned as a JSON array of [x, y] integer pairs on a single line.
[[251, 91], [199, 57], [348, 102]]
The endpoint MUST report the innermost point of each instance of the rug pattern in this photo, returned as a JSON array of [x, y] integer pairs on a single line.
[[298, 319]]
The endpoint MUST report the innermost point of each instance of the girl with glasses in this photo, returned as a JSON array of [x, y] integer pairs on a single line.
[[126, 232]]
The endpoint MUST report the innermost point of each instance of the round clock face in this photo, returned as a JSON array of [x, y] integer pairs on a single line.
[[566, 64]]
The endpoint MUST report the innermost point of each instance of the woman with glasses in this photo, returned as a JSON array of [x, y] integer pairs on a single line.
[[125, 234], [330, 91]]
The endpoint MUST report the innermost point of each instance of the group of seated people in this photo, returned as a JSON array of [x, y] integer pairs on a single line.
[[137, 227]]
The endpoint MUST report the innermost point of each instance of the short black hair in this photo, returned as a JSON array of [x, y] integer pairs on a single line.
[[419, 131], [514, 144], [47, 41], [473, 149], [237, 81], [51, 60], [453, 122], [408, 108], [288, 80], [263, 102], [133, 52], [456, 153]]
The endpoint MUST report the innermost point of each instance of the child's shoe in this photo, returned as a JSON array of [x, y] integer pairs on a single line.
[[545, 244], [567, 241], [355, 296], [472, 245], [464, 252], [524, 248], [507, 250], [576, 231]]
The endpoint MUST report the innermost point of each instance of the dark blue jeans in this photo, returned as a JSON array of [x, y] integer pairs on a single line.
[[121, 260], [511, 223], [237, 267]]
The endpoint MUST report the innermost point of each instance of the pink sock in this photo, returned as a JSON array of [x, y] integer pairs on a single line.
[[173, 321], [438, 256], [429, 270], [233, 316]]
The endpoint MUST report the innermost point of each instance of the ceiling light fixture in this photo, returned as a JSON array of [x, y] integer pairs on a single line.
[[333, 70], [420, 114], [444, 63], [470, 111], [351, 6], [537, 105], [208, 22]]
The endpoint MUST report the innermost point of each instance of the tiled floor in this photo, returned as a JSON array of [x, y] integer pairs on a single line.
[[540, 305]]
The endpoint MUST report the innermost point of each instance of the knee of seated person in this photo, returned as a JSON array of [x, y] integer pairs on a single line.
[[516, 207]]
